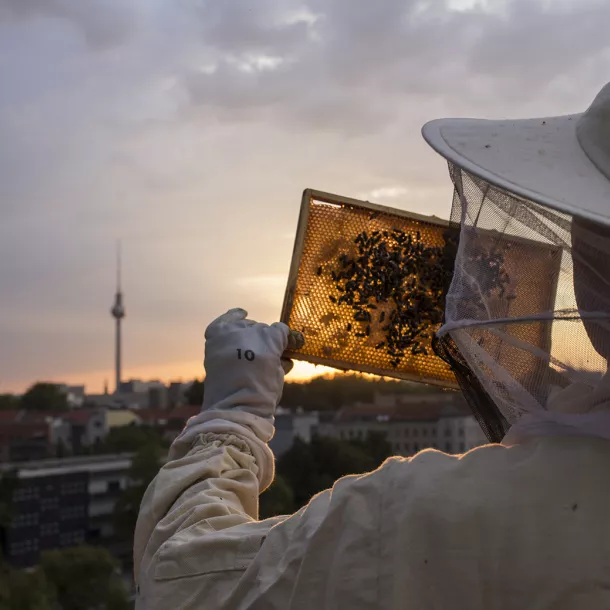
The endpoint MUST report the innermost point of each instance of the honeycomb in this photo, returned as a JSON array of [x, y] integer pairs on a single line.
[[328, 226]]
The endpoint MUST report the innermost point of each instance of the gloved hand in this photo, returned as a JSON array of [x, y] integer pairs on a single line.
[[243, 363], [243, 386]]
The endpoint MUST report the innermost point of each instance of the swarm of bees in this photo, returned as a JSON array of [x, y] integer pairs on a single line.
[[395, 283]]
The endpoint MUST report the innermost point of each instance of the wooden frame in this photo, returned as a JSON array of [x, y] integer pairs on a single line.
[[321, 197]]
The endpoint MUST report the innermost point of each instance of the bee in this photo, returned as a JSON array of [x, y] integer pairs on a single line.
[[373, 215], [368, 330], [380, 345], [349, 328], [332, 298]]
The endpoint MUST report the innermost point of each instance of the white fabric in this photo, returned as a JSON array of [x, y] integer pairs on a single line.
[[472, 532], [243, 364], [578, 410], [554, 161], [243, 385], [495, 529], [593, 132]]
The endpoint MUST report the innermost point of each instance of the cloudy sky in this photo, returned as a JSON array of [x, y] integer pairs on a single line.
[[189, 128]]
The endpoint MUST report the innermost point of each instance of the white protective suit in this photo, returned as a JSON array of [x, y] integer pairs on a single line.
[[517, 526], [495, 529]]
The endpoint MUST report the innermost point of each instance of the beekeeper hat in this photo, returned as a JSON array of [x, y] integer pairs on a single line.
[[562, 162], [527, 315]]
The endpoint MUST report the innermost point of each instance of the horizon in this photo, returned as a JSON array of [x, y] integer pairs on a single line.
[[302, 372]]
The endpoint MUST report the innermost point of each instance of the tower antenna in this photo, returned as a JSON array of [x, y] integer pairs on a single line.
[[118, 313]]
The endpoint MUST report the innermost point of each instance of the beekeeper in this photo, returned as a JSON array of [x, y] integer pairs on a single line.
[[512, 525]]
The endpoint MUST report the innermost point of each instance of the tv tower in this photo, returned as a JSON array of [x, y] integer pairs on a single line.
[[118, 313]]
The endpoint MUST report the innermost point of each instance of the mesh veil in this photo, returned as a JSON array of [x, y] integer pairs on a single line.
[[528, 310]]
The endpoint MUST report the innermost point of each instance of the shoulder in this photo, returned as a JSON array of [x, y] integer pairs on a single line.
[[430, 479], [491, 477]]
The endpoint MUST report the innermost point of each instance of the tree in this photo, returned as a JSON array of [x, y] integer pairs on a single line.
[[8, 402], [144, 467], [194, 395], [377, 446], [130, 438], [328, 393], [8, 484], [25, 590], [85, 578], [44, 397], [311, 468], [277, 500]]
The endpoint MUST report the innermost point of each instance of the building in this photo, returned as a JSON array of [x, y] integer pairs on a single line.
[[290, 425], [34, 435], [176, 393], [87, 428], [156, 418], [131, 400], [158, 397], [175, 420], [59, 503], [133, 386], [106, 401], [137, 394], [23, 437], [118, 418], [75, 394], [409, 423]]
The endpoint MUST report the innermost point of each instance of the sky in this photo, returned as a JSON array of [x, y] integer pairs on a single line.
[[188, 129]]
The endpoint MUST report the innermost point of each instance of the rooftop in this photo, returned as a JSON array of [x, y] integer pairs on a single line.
[[409, 411], [56, 466]]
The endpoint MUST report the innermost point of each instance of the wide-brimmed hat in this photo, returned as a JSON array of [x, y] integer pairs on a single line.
[[562, 162]]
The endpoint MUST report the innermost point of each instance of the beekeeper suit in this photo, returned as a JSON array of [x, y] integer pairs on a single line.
[[515, 525]]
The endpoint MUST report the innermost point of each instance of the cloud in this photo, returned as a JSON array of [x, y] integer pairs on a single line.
[[386, 192], [358, 66], [103, 23], [190, 128]]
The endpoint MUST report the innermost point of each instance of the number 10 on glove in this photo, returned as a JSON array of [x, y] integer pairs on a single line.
[[244, 363]]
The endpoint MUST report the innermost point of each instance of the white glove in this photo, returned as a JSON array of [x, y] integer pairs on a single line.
[[243, 363]]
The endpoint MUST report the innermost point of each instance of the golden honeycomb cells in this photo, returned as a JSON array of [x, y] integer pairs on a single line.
[[328, 226]]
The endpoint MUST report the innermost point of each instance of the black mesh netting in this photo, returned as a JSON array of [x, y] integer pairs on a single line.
[[527, 314], [492, 422]]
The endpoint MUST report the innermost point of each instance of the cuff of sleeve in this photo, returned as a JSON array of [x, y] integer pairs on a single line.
[[253, 430]]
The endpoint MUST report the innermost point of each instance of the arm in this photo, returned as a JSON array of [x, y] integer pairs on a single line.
[[221, 461]]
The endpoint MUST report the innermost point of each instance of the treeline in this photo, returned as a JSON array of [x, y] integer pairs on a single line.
[[38, 397], [79, 578], [329, 392], [309, 468]]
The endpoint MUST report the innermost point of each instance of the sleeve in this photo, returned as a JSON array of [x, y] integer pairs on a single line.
[[198, 542], [216, 469]]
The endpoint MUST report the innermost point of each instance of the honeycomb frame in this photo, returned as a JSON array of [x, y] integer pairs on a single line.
[[327, 225]]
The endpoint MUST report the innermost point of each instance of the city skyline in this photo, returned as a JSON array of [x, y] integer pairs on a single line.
[[191, 130]]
